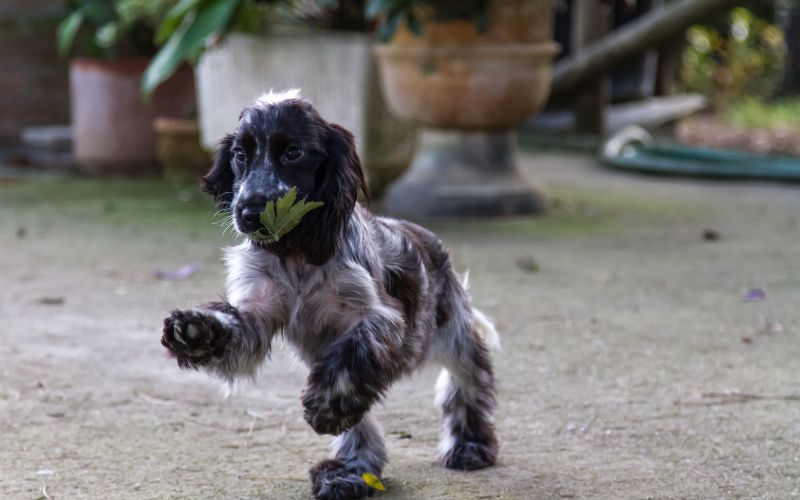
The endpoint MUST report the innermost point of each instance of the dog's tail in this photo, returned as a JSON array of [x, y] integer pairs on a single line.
[[482, 324], [486, 330]]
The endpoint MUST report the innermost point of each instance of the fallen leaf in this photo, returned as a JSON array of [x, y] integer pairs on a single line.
[[178, 274], [373, 481], [710, 235], [52, 301], [528, 264], [747, 340], [755, 295]]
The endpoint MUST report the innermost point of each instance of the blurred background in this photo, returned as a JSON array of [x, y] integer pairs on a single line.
[[143, 87]]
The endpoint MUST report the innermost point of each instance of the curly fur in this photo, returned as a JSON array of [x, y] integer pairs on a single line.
[[362, 299]]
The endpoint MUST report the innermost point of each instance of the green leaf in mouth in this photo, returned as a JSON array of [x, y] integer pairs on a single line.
[[281, 216]]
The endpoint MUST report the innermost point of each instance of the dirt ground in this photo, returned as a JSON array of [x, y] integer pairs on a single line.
[[633, 366]]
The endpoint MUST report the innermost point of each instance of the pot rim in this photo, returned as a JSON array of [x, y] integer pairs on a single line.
[[175, 126], [544, 49], [131, 65]]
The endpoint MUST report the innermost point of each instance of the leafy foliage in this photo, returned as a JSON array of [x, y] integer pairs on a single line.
[[391, 13], [752, 113], [745, 59], [110, 28], [185, 30], [282, 216]]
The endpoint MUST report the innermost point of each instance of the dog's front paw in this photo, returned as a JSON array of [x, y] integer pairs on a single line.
[[332, 480], [195, 338], [331, 413]]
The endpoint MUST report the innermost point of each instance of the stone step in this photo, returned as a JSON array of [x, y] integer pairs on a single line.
[[52, 138]]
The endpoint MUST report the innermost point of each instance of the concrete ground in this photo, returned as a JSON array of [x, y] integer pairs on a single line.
[[633, 366]]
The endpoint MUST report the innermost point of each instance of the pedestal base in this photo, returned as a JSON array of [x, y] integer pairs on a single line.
[[458, 173]]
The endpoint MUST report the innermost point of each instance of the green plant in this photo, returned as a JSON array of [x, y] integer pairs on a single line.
[[278, 218], [392, 13], [751, 113], [745, 59], [110, 28], [184, 30]]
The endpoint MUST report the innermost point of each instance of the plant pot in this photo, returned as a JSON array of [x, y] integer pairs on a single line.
[[336, 71], [178, 149], [469, 90], [112, 125]]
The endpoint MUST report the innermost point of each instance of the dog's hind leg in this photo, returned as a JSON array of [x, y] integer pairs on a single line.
[[465, 389], [358, 450]]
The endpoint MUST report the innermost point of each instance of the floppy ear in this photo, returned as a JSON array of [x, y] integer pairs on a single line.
[[219, 180], [340, 179], [346, 163]]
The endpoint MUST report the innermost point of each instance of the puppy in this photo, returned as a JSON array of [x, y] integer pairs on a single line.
[[362, 299]]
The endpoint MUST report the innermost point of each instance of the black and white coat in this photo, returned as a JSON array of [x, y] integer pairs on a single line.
[[362, 299]]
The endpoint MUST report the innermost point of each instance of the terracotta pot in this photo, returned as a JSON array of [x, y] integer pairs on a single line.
[[179, 151], [469, 89], [112, 125], [456, 76]]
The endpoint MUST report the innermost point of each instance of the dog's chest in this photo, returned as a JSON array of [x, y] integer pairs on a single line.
[[323, 302], [312, 303]]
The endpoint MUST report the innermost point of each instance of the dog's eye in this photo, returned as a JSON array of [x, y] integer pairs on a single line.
[[240, 155], [292, 153]]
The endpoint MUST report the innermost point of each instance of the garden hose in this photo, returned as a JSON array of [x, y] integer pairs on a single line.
[[634, 149]]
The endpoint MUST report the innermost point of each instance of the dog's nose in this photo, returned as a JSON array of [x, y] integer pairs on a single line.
[[251, 217]]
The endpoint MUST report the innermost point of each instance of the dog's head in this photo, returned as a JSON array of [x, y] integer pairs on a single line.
[[281, 142]]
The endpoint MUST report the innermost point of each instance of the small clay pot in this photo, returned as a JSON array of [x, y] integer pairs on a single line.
[[112, 124]]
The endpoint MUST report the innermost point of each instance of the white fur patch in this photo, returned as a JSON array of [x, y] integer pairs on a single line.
[[442, 386], [226, 320], [273, 97], [486, 330], [447, 440], [343, 384], [192, 332], [249, 289], [483, 325]]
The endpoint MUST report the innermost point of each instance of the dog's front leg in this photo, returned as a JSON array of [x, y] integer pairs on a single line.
[[352, 373], [219, 338]]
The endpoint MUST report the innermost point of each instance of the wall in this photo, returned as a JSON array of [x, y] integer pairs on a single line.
[[34, 88]]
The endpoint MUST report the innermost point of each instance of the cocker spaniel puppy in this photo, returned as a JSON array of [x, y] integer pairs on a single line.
[[363, 299]]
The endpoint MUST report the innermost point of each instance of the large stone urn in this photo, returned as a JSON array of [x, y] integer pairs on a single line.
[[469, 89]]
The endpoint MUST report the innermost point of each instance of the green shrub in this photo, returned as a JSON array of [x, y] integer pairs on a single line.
[[751, 113], [185, 31], [110, 28], [746, 59]]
